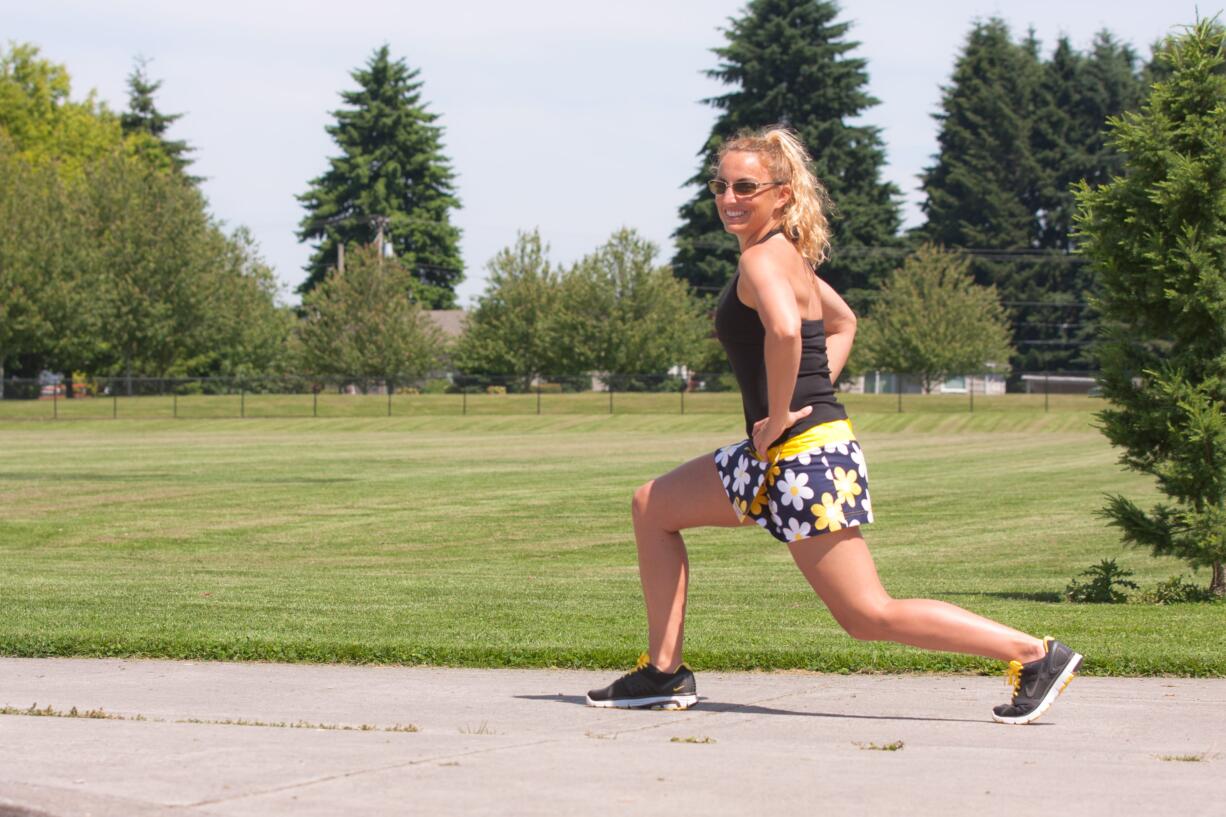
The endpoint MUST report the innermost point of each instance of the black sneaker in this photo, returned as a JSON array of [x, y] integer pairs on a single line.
[[648, 688], [1037, 683]]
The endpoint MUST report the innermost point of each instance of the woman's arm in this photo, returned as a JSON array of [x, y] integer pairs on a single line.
[[840, 324], [770, 293]]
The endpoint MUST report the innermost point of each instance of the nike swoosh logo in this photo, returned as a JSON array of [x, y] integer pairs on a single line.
[[678, 688]]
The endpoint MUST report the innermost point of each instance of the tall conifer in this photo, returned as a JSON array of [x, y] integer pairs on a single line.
[[787, 61], [1157, 237], [143, 117], [391, 174], [1077, 95], [1015, 134], [982, 191]]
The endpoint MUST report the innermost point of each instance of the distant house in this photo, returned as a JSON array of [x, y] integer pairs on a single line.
[[450, 321], [888, 383]]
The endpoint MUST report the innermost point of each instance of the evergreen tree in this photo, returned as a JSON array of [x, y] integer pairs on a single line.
[[144, 119], [787, 62], [982, 192], [1157, 239], [1015, 134], [1077, 95], [391, 180]]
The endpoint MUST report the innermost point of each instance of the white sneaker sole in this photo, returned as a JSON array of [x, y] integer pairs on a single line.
[[654, 702], [1066, 678]]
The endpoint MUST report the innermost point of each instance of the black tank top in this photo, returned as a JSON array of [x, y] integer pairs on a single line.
[[743, 337]]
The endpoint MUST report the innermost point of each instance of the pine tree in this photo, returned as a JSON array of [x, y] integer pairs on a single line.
[[982, 192], [391, 180], [144, 118], [1016, 133], [1157, 238], [1077, 95], [787, 62]]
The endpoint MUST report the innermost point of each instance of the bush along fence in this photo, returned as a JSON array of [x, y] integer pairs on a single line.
[[56, 398]]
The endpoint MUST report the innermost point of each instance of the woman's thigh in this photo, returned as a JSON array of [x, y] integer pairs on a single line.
[[840, 568], [689, 496]]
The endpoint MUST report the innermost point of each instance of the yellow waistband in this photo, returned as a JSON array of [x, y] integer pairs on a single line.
[[835, 431]]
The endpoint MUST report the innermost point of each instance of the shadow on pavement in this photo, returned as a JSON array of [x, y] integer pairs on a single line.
[[707, 705]]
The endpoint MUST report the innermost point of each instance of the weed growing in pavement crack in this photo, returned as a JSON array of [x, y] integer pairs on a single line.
[[1199, 757], [51, 712], [691, 739], [884, 747], [331, 727], [99, 714]]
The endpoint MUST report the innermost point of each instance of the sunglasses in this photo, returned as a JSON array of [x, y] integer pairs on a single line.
[[740, 189]]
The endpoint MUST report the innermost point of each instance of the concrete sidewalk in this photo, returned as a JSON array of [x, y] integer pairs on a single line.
[[521, 742]]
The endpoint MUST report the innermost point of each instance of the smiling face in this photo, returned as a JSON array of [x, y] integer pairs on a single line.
[[749, 217]]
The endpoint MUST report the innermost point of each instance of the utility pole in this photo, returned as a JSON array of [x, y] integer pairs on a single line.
[[380, 222]]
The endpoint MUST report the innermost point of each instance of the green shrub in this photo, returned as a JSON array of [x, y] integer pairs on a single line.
[[1176, 590], [1104, 578]]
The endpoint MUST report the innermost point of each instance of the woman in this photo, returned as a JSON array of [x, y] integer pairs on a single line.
[[800, 474]]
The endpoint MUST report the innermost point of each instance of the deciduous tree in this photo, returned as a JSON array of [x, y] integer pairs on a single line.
[[512, 329], [362, 323], [932, 320], [621, 313]]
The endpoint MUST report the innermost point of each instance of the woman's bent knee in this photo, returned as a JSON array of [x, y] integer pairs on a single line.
[[641, 503], [871, 624]]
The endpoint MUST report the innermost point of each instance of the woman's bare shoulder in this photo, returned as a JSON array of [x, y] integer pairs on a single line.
[[771, 258]]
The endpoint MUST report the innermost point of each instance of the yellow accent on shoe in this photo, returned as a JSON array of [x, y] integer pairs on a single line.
[[1013, 676]]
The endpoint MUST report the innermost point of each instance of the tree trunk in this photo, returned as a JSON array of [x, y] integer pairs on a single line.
[[1217, 585], [127, 365], [1, 377]]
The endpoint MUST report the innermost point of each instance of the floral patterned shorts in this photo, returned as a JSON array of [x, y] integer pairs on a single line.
[[794, 495]]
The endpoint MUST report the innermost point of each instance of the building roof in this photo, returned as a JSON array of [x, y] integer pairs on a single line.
[[451, 321]]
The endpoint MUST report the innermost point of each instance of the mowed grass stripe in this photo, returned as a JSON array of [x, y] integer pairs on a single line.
[[483, 542]]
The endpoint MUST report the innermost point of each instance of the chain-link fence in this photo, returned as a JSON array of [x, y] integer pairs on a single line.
[[56, 398]]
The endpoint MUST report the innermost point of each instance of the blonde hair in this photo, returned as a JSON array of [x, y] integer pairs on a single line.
[[804, 222]]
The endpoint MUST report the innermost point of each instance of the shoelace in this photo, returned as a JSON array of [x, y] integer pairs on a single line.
[[644, 660], [1013, 676]]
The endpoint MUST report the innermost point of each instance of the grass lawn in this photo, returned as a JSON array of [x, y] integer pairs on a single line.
[[504, 540]]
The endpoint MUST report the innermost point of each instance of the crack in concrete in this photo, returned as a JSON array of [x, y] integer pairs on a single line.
[[359, 772]]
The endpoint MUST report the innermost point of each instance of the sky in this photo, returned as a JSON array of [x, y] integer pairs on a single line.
[[575, 118]]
